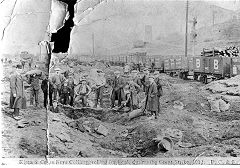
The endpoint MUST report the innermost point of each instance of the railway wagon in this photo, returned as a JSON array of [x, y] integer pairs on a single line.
[[190, 66], [220, 66], [113, 60], [166, 65], [179, 65], [235, 66], [211, 68], [198, 66], [169, 66], [158, 64]]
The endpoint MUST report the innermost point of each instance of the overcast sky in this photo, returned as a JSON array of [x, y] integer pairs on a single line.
[[228, 4]]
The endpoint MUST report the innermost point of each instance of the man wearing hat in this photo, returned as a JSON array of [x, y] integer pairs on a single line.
[[82, 92], [71, 87], [136, 79], [17, 92], [34, 81], [56, 81], [100, 84], [117, 93], [135, 88], [65, 93], [54, 108], [145, 80], [44, 87], [159, 86], [152, 100]]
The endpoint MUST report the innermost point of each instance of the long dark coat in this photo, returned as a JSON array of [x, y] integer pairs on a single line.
[[152, 98], [17, 87], [145, 82], [159, 86], [71, 86], [117, 93]]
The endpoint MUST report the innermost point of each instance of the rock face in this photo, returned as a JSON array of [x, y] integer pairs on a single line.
[[25, 25], [115, 26], [58, 15]]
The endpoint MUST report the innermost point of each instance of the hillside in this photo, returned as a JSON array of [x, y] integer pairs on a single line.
[[117, 25]]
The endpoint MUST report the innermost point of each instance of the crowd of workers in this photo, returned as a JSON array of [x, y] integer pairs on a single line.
[[62, 88]]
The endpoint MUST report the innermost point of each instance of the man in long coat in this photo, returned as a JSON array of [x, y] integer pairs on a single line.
[[71, 86], [44, 87], [117, 93], [135, 88], [159, 83], [100, 84], [57, 81], [152, 97], [34, 81], [145, 80], [17, 92]]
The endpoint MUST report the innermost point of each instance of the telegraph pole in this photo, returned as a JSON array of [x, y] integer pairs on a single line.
[[186, 33], [93, 54], [194, 34]]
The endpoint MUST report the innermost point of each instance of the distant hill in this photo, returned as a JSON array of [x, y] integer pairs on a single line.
[[117, 25]]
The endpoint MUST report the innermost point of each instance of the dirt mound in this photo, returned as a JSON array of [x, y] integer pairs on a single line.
[[33, 147], [228, 86]]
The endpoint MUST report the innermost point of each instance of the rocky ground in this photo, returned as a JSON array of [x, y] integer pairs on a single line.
[[187, 118], [27, 137]]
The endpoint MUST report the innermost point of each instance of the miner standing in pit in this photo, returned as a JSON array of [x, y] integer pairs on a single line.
[[135, 88], [145, 79], [44, 87], [152, 100], [71, 86], [100, 84], [17, 92], [57, 81], [117, 92], [82, 92], [34, 87], [159, 84]]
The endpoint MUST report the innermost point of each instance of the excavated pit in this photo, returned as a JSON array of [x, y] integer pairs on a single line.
[[134, 136], [135, 140]]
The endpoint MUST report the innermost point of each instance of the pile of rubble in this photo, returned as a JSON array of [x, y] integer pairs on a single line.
[[225, 87], [230, 51]]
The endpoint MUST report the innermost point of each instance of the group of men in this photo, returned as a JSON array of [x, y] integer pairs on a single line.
[[17, 89], [66, 90], [126, 90]]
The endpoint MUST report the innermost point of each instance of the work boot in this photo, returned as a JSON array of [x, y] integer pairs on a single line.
[[16, 114], [17, 118]]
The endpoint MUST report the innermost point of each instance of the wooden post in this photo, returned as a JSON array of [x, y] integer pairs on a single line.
[[93, 54], [186, 33]]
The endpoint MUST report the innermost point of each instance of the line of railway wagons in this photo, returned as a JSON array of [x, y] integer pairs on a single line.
[[200, 68]]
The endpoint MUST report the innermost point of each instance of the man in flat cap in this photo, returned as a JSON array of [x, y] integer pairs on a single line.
[[159, 83], [152, 98], [145, 80], [17, 92], [56, 81], [82, 91], [117, 93], [100, 85], [135, 88], [34, 81]]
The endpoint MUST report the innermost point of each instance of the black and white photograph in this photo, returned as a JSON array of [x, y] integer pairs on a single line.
[[120, 82]]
